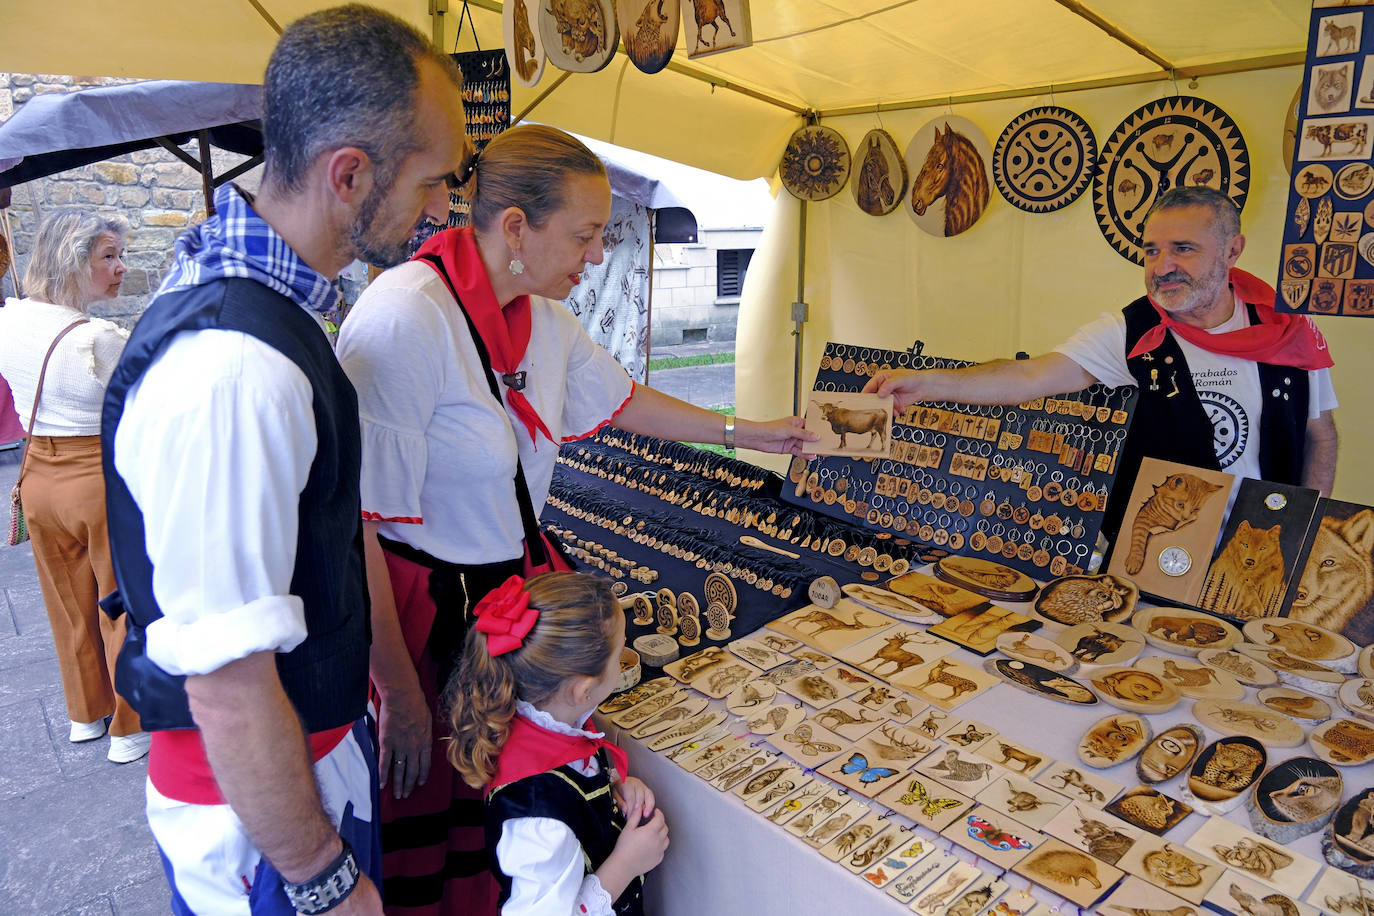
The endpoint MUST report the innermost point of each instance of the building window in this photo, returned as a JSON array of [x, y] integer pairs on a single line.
[[731, 265]]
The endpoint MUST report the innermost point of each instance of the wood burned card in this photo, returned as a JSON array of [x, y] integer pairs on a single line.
[[1336, 586], [945, 683], [1171, 523], [978, 632], [926, 801], [832, 629], [1259, 553], [851, 424], [992, 835]]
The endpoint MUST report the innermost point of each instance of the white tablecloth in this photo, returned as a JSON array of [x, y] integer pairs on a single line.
[[727, 859]]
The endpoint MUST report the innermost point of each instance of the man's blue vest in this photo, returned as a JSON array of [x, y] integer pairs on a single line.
[[326, 676]]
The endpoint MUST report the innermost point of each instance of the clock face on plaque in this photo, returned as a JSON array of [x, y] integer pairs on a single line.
[[1174, 561], [1044, 159], [1168, 143]]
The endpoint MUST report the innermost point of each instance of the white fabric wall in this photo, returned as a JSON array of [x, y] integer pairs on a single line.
[[612, 301]]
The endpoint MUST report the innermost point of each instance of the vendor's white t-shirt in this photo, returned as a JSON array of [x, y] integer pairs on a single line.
[[438, 453], [1228, 386]]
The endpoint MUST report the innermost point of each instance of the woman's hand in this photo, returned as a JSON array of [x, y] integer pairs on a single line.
[[404, 727], [787, 435]]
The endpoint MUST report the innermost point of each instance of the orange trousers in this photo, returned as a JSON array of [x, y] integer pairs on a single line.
[[64, 506]]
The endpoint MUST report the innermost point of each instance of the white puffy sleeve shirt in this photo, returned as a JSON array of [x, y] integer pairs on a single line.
[[438, 451]]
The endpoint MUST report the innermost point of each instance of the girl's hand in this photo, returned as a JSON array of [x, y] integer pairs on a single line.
[[641, 846], [632, 793]]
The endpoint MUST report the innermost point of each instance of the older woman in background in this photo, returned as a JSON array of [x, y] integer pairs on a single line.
[[77, 260]]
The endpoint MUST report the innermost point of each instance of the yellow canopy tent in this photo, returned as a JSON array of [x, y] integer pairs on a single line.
[[1015, 281]]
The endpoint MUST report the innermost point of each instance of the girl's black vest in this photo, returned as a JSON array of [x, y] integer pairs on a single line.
[[325, 677], [1175, 427], [585, 803]]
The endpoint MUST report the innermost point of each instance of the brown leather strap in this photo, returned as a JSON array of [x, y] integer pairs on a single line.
[[38, 393]]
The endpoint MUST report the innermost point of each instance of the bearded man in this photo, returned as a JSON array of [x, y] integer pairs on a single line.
[[1224, 382]]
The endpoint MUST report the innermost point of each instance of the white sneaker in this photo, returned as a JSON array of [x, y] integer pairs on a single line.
[[128, 748], [87, 731]]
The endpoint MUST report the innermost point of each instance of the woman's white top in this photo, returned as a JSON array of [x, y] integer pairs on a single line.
[[542, 855], [438, 451], [78, 372]]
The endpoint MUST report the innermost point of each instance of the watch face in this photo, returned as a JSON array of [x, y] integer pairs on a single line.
[[1175, 561]]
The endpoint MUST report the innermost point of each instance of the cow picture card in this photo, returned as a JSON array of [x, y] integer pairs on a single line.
[[850, 423]]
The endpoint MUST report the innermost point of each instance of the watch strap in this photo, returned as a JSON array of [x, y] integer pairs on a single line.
[[327, 889]]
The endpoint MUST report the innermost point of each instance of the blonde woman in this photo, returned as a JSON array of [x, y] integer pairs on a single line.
[[77, 260]]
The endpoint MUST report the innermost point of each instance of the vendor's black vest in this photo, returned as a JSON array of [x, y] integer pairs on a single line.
[[326, 676], [584, 803], [1178, 429]]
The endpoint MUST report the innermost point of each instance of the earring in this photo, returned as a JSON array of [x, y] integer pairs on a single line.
[[516, 267]]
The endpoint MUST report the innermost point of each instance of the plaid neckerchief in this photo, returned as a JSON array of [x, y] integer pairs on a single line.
[[236, 242]]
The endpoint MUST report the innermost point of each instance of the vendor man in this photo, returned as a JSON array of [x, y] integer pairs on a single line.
[[1216, 368]]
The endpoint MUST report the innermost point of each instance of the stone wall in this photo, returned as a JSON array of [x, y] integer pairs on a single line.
[[686, 308], [159, 194]]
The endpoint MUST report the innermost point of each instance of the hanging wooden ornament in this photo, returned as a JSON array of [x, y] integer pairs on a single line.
[[949, 157], [880, 182], [1044, 159], [524, 43], [712, 26], [1168, 143], [579, 35], [649, 30], [815, 164]]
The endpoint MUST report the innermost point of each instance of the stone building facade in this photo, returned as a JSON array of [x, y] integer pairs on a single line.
[[697, 286], [159, 194]]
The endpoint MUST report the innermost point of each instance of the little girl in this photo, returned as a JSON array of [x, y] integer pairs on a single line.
[[540, 657]]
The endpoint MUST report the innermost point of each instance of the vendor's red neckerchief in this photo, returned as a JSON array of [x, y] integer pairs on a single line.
[[505, 332], [1284, 340], [531, 749]]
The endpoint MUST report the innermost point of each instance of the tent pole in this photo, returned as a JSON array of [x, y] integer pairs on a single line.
[[799, 312], [649, 306], [207, 172]]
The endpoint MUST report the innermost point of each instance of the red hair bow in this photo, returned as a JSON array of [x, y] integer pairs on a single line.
[[506, 617]]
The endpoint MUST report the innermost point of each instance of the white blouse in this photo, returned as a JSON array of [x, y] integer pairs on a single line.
[[542, 855], [438, 451], [78, 372]]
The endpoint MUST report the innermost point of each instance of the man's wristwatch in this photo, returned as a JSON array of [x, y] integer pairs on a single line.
[[328, 889]]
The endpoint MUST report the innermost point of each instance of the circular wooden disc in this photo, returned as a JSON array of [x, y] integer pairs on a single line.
[[718, 587], [1243, 668], [1032, 678], [1341, 847], [649, 31], [815, 164], [1295, 703], [1313, 181], [1102, 643], [1184, 632], [1179, 140], [1234, 718], [948, 159], [1037, 650], [1290, 130], [524, 41], [579, 44], [1225, 771], [1044, 159], [987, 578], [1113, 740], [1193, 679], [1344, 742], [1073, 600], [1354, 181], [879, 183], [1313, 677], [1294, 798], [1134, 689], [1169, 753], [1305, 640], [1357, 695]]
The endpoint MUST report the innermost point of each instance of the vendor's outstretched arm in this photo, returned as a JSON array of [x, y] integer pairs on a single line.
[[654, 413], [1319, 455], [1002, 381]]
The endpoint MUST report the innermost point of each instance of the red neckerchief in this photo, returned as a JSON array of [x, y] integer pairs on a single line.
[[504, 331], [1284, 340], [531, 749]]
